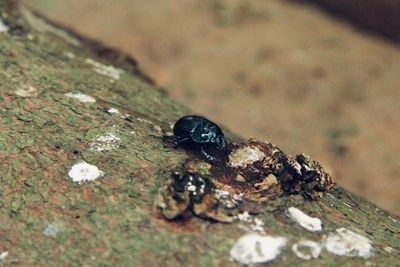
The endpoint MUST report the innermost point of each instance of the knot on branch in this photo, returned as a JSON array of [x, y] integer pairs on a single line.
[[255, 173]]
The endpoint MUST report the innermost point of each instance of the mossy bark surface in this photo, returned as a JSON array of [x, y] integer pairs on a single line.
[[112, 220]]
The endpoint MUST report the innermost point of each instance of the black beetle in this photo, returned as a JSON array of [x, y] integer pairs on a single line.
[[197, 130]]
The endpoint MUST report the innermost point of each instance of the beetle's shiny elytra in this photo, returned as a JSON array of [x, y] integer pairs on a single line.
[[197, 130]]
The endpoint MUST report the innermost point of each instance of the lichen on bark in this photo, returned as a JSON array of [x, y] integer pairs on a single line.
[[112, 220]]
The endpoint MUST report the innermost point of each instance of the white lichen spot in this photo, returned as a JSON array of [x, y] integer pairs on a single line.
[[252, 224], [105, 142], [244, 156], [81, 97], [108, 137], [257, 226], [3, 27], [3, 255], [109, 71], [347, 243], [307, 249], [30, 91], [113, 111], [51, 230], [310, 223], [394, 220], [83, 171], [255, 248], [244, 217], [227, 199]]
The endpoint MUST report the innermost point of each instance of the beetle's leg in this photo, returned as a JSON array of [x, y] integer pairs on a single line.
[[228, 146], [180, 142], [206, 155]]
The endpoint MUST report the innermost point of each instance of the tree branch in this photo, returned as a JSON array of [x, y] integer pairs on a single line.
[[67, 101]]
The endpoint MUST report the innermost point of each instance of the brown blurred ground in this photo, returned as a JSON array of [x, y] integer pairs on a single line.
[[379, 16], [277, 70]]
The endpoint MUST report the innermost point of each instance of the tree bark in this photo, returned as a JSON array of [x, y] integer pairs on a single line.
[[59, 96]]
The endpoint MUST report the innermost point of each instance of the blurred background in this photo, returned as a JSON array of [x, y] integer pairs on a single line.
[[320, 77]]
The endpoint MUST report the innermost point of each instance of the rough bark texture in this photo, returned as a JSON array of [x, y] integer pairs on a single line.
[[47, 219]]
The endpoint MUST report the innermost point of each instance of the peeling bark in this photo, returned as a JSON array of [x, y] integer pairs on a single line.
[[47, 127]]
